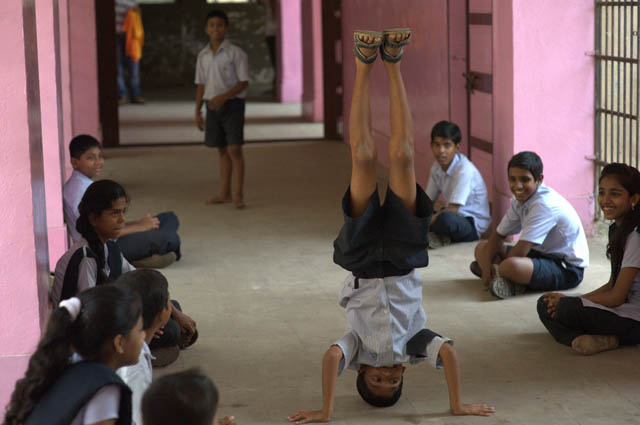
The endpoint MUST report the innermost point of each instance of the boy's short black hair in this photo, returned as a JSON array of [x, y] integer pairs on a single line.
[[188, 397], [82, 143], [376, 400], [217, 13], [529, 161], [446, 130], [152, 288]]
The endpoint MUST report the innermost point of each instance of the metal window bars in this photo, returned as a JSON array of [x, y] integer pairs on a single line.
[[617, 53]]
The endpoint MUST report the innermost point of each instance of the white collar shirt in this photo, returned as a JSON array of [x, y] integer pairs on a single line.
[[462, 184], [383, 315], [72, 194], [138, 377], [219, 72], [550, 223]]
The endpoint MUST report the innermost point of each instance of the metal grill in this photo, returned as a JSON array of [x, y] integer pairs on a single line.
[[616, 79]]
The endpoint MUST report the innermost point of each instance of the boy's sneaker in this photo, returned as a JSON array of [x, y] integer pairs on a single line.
[[503, 288], [592, 344], [436, 241], [476, 269], [156, 261]]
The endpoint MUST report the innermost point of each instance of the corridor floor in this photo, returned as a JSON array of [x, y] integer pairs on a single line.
[[263, 289]]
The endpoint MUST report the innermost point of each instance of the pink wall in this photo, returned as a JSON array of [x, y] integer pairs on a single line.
[[425, 68], [289, 52], [20, 264], [65, 84], [83, 67], [552, 108], [312, 95], [51, 131]]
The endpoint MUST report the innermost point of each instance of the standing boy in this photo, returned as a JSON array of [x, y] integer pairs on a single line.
[[381, 245], [552, 251], [465, 215], [151, 242], [222, 78]]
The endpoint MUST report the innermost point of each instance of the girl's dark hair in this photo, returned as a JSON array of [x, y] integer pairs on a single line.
[[446, 130], [529, 161], [107, 311], [188, 397], [97, 198], [152, 288], [629, 178]]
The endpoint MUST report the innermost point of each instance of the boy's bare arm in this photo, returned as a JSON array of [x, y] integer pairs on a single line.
[[199, 100], [521, 249], [219, 100], [330, 364], [452, 376], [493, 247]]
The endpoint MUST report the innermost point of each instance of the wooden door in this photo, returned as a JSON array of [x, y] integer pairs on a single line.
[[480, 87]]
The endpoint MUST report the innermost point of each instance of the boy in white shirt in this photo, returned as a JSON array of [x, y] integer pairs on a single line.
[[465, 215], [551, 253], [153, 289]]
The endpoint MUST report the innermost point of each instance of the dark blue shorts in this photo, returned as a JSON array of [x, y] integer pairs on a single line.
[[225, 126], [552, 273], [387, 240]]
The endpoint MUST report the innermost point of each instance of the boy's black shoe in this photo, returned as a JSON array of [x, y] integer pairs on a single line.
[[164, 356], [476, 269]]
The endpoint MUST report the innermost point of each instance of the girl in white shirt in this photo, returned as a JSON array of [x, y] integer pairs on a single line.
[[609, 316], [102, 328]]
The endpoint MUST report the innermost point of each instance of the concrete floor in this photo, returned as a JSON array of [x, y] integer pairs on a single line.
[[162, 121], [263, 288]]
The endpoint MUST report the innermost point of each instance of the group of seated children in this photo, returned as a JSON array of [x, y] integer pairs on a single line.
[[95, 211], [98, 329], [71, 378]]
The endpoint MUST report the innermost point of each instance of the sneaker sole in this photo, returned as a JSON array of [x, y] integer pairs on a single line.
[[500, 289]]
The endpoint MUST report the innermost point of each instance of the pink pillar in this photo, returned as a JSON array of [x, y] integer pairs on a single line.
[[51, 130], [312, 95], [23, 245], [289, 52], [547, 108], [65, 85], [84, 67]]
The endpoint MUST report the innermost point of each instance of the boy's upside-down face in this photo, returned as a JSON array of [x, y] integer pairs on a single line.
[[383, 381], [522, 183]]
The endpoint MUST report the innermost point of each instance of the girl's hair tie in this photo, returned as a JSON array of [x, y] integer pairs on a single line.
[[73, 306]]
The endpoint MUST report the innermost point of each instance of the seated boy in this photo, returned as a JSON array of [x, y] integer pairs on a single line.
[[153, 289], [465, 215], [551, 253], [381, 246], [148, 242], [188, 398]]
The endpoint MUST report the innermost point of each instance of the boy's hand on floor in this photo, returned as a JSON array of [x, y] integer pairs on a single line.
[[199, 121], [186, 323], [227, 420], [477, 409], [309, 416]]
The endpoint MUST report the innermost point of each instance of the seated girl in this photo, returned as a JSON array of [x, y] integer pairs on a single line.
[[101, 330], [609, 316]]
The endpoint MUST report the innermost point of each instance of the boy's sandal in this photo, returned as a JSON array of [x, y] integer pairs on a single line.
[[393, 44], [357, 43]]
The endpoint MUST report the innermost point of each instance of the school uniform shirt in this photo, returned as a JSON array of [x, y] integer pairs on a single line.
[[87, 272], [550, 223], [72, 194], [631, 258], [104, 405], [138, 377], [222, 70], [462, 184], [383, 315]]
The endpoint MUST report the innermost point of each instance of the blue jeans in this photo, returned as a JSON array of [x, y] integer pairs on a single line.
[[132, 67], [457, 227]]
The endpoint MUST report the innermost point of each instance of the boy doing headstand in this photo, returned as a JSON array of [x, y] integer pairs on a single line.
[[465, 215], [381, 245], [551, 253], [222, 78]]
